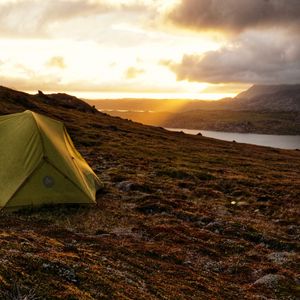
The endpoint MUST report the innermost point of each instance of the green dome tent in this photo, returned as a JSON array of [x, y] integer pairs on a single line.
[[40, 165]]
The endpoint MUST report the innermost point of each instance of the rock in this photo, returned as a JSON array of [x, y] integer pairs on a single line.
[[213, 266], [125, 186], [112, 128], [263, 199], [153, 208], [216, 226], [293, 229], [64, 272], [270, 281], [280, 258]]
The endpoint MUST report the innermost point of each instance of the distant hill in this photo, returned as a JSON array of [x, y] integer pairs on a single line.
[[270, 98], [285, 98], [268, 109], [262, 90]]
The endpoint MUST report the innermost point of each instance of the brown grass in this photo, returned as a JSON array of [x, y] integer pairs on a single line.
[[180, 217]]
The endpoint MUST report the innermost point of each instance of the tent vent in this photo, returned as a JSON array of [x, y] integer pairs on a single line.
[[48, 181]]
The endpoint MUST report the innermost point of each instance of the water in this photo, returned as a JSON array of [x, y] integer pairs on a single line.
[[275, 141]]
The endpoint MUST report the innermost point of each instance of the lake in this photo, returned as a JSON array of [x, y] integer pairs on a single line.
[[275, 141]]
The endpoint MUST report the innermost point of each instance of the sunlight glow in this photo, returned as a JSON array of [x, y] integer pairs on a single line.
[[126, 95], [92, 56]]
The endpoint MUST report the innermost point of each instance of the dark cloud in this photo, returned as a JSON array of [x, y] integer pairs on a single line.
[[236, 15], [265, 47], [252, 58]]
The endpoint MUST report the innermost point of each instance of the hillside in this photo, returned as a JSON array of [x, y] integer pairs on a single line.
[[260, 90], [180, 217], [270, 98], [260, 109]]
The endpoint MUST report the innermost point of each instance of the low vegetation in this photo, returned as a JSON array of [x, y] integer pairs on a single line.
[[179, 217]]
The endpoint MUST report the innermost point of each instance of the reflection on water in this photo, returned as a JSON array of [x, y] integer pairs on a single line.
[[276, 141]]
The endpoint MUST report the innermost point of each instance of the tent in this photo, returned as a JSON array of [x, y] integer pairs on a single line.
[[40, 165]]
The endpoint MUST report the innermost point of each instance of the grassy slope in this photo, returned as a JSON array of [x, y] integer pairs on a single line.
[[164, 226]]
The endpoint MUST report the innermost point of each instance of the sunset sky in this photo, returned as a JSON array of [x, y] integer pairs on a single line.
[[203, 49]]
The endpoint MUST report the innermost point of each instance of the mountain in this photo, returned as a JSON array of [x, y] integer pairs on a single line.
[[284, 98], [269, 98], [261, 109], [179, 217], [262, 90]]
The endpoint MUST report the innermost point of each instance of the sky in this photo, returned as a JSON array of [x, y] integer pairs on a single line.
[[185, 49]]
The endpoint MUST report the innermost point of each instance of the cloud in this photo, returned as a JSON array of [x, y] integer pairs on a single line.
[[264, 47], [133, 72], [53, 82], [236, 15], [56, 62], [226, 88], [251, 58], [32, 18]]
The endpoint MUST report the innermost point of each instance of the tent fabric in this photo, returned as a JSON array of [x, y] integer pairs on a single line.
[[40, 165]]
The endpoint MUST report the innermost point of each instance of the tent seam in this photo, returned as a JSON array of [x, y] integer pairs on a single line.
[[39, 131], [73, 160], [62, 173]]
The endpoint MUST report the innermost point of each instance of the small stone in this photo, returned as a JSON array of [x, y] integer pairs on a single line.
[[212, 266], [280, 258], [125, 186], [200, 223], [270, 281], [45, 266]]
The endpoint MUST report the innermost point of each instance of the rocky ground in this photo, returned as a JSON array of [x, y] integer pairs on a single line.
[[179, 217]]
